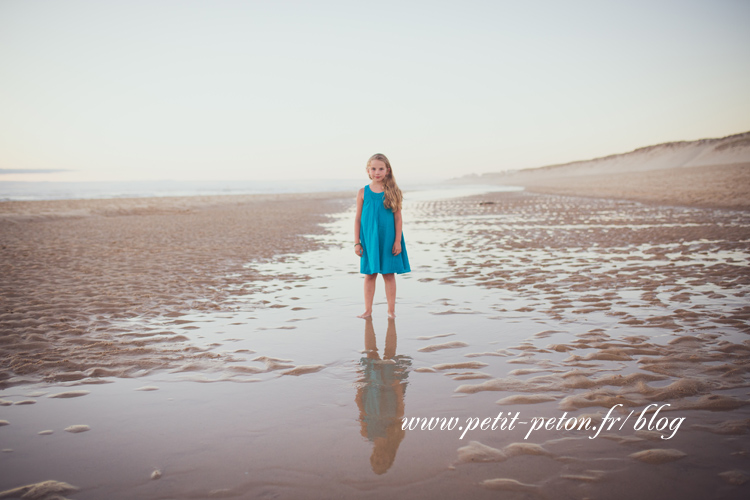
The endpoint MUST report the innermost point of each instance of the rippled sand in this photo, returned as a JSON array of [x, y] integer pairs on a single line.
[[72, 268], [249, 375]]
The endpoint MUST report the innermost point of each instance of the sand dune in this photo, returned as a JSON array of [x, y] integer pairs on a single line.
[[728, 150], [705, 173]]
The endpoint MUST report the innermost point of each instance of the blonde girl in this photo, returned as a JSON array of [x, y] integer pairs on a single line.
[[378, 236]]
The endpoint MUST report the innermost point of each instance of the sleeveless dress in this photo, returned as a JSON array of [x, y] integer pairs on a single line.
[[377, 233]]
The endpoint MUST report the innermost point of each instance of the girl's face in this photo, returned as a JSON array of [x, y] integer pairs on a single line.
[[377, 170]]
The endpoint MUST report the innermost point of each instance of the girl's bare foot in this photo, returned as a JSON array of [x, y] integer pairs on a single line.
[[365, 314], [391, 314]]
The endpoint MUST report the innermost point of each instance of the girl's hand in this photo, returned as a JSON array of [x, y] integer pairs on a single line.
[[397, 248], [358, 250]]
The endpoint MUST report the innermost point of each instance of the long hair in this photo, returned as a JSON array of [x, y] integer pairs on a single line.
[[393, 196]]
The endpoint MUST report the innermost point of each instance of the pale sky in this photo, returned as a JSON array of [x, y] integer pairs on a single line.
[[220, 90]]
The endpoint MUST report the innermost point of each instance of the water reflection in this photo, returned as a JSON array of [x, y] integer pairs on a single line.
[[380, 396]]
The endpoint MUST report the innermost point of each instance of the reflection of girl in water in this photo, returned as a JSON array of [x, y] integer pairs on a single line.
[[380, 396]]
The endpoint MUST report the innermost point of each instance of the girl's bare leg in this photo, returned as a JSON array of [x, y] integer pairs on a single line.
[[369, 294], [390, 293]]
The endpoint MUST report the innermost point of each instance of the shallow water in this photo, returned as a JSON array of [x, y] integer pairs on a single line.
[[589, 303]]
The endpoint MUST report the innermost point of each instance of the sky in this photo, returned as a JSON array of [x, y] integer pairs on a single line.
[[245, 90]]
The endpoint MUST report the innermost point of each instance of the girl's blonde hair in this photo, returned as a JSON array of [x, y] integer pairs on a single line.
[[393, 196]]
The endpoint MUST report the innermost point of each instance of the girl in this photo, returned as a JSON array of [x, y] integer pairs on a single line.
[[378, 239]]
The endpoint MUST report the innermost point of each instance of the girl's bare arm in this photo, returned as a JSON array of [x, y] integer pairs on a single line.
[[358, 221], [399, 225]]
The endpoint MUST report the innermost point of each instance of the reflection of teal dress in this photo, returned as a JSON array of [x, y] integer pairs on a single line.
[[379, 393], [377, 233]]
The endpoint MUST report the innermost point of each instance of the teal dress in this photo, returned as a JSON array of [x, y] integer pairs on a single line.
[[377, 233]]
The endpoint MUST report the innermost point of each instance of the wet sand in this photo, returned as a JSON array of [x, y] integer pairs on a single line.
[[258, 379], [71, 267]]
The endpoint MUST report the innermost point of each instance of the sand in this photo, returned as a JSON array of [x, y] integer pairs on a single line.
[[71, 268], [210, 340]]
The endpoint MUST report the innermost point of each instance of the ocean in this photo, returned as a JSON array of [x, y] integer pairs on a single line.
[[28, 191]]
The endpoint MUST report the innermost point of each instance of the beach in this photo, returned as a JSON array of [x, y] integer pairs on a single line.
[[208, 347], [70, 267]]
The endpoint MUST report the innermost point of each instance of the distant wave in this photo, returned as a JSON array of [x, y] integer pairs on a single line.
[[29, 191], [8, 171]]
